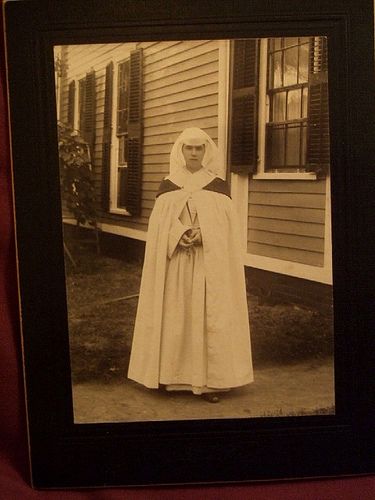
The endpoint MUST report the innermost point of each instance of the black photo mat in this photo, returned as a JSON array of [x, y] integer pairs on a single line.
[[65, 454]]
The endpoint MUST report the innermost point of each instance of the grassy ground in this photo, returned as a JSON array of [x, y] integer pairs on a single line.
[[102, 299]]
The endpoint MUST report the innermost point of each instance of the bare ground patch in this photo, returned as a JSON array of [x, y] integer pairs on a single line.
[[297, 390], [292, 354]]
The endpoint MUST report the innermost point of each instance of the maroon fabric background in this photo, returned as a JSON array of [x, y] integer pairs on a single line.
[[14, 481]]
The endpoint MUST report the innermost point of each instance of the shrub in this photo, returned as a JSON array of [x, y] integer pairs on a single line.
[[76, 178]]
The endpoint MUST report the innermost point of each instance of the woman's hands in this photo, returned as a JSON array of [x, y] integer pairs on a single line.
[[196, 236], [190, 238]]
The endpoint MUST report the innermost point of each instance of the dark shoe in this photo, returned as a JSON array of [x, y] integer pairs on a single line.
[[211, 397]]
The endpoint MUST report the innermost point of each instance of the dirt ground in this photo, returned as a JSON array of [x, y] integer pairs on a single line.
[[303, 389], [293, 365]]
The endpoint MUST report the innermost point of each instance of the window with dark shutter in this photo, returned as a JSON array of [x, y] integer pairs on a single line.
[[244, 106], [318, 147], [71, 103], [287, 93], [107, 136], [132, 185], [122, 114], [88, 124]]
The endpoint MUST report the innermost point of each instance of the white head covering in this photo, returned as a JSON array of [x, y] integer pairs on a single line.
[[211, 163]]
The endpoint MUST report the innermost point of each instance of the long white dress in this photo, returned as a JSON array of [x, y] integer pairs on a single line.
[[183, 354], [192, 327]]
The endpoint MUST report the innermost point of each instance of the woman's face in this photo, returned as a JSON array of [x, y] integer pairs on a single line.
[[193, 156]]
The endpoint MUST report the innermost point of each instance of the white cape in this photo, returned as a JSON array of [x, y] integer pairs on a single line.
[[223, 313]]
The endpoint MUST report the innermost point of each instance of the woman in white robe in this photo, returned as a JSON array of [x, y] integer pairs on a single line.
[[192, 327]]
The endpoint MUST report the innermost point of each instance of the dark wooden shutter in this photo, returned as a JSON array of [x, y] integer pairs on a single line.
[[318, 150], [71, 103], [89, 112], [244, 106], [107, 136], [135, 132]]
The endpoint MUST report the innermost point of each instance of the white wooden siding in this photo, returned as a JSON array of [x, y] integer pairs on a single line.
[[286, 220], [181, 90]]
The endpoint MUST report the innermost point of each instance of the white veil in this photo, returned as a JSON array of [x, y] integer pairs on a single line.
[[211, 163]]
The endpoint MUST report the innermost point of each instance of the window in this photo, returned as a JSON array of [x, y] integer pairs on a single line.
[[279, 122], [122, 131], [122, 136], [287, 95]]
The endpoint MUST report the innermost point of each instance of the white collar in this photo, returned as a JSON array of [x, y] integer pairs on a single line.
[[191, 181]]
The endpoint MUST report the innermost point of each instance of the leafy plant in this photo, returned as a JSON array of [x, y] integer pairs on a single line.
[[76, 176]]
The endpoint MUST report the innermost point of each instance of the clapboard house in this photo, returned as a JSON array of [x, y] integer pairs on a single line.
[[263, 101]]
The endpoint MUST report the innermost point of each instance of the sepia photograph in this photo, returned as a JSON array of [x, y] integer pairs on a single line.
[[192, 190], [196, 215]]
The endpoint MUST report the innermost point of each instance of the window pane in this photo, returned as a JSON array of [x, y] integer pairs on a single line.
[[123, 73], [290, 66], [278, 147], [294, 104], [270, 72], [293, 146], [304, 102], [121, 186], [276, 43], [277, 70], [303, 145], [303, 63], [122, 121], [291, 40], [122, 150], [122, 98], [278, 107]]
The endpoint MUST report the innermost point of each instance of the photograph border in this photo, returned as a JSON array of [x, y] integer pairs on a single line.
[[64, 454]]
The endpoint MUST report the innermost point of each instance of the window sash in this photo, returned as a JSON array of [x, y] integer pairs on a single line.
[[122, 181], [122, 157], [122, 117], [279, 156], [125, 177], [300, 47], [286, 124], [123, 98]]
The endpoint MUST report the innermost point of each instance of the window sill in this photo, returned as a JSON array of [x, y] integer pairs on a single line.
[[119, 211], [292, 176]]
